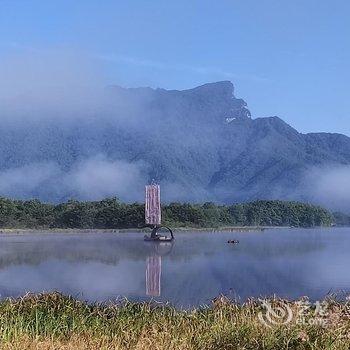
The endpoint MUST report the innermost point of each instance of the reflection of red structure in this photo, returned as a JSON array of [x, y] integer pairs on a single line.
[[153, 272], [152, 206]]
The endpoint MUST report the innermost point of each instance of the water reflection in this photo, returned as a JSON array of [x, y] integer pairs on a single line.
[[153, 274], [154, 267], [191, 271]]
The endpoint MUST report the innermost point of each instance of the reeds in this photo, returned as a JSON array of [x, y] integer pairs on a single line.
[[53, 321]]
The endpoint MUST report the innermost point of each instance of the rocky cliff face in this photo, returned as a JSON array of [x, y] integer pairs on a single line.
[[200, 144]]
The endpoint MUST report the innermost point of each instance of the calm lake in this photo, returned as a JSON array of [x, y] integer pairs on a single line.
[[194, 269]]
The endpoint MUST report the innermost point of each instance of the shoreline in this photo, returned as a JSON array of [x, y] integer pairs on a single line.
[[142, 230], [224, 229]]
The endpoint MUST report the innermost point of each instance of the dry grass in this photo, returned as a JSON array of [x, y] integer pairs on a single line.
[[52, 321]]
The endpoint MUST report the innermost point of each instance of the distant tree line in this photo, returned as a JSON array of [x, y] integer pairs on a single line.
[[110, 213]]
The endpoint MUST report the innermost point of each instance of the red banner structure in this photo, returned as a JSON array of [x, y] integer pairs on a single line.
[[152, 205]]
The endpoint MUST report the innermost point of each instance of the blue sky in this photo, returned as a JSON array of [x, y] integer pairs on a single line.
[[285, 58]]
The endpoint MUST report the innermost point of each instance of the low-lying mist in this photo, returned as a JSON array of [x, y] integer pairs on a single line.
[[330, 187], [91, 179]]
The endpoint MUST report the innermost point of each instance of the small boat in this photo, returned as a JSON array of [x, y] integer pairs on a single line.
[[233, 241]]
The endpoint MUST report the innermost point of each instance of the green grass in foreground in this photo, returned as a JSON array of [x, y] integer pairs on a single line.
[[53, 321]]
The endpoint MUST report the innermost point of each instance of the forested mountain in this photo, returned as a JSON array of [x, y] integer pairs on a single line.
[[199, 144]]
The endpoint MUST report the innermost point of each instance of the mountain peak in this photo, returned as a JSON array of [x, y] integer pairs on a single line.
[[220, 95], [222, 88]]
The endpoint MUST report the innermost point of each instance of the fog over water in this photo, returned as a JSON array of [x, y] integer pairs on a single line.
[[191, 271]]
